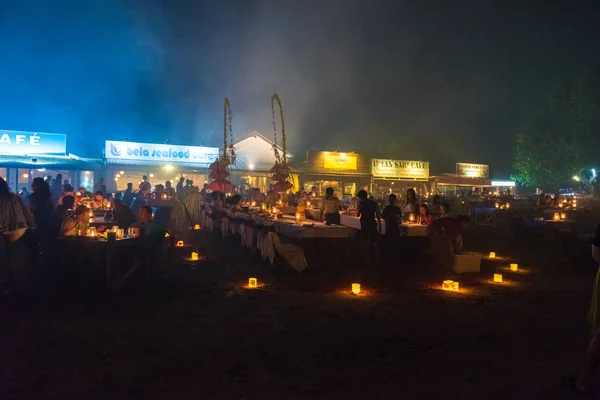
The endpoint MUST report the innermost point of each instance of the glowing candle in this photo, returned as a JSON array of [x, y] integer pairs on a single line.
[[514, 267], [507, 205], [164, 196], [556, 217], [492, 254], [253, 283], [167, 235], [497, 205], [563, 216], [196, 227], [356, 288], [194, 256], [450, 285], [411, 218], [297, 218], [179, 243], [253, 204], [498, 278], [308, 203]]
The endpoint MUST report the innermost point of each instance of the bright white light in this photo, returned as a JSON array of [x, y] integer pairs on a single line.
[[25, 175], [576, 178], [169, 167], [151, 175], [503, 183], [251, 167], [594, 171], [41, 169]]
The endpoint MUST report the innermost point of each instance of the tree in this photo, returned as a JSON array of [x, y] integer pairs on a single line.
[[563, 138]]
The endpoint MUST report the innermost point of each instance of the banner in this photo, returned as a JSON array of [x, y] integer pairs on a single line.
[[400, 169], [472, 170], [340, 161], [26, 143], [160, 152]]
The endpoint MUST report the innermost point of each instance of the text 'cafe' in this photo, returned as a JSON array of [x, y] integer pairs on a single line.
[[28, 155], [129, 161]]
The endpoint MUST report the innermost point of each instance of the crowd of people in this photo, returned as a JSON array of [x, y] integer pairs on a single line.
[[53, 209]]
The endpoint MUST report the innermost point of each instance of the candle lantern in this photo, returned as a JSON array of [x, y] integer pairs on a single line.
[[450, 285], [556, 217], [497, 205], [93, 231], [179, 243], [195, 256], [196, 227], [498, 278], [297, 218], [561, 205], [308, 203], [253, 283], [507, 205], [411, 217], [563, 216], [253, 204], [492, 254], [355, 288], [514, 267], [164, 196]]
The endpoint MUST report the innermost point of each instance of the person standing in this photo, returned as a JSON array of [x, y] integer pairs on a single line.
[[57, 189], [583, 383], [145, 186], [330, 208], [15, 219], [392, 215], [370, 222]]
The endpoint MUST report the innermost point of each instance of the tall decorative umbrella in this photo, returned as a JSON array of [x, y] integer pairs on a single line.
[[218, 169], [281, 170]]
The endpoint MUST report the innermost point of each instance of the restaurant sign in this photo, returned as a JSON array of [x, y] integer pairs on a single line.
[[400, 169], [159, 152], [340, 161], [25, 143], [472, 170]]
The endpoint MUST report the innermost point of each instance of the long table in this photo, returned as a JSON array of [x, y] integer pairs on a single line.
[[410, 229]]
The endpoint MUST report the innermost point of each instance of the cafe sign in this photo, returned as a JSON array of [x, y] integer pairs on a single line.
[[340, 161], [400, 169], [472, 170], [159, 152], [26, 143]]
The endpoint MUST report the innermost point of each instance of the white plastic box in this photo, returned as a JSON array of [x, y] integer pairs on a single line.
[[467, 261]]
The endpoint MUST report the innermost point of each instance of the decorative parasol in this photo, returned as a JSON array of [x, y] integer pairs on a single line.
[[281, 171], [218, 169]]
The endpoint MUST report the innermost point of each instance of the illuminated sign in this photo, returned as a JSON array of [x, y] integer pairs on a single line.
[[339, 161], [25, 143], [160, 152], [472, 170], [400, 169], [503, 183]]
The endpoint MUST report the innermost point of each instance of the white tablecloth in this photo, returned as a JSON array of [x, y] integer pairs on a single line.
[[411, 229]]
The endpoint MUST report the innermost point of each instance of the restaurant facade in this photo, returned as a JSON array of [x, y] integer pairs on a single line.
[[346, 173], [28, 155], [468, 178], [126, 162], [254, 159], [397, 176]]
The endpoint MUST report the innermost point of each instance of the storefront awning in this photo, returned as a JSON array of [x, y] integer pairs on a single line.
[[71, 162], [454, 180]]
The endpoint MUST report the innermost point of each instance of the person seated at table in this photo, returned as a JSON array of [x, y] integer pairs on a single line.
[[67, 191], [67, 203], [330, 208], [257, 196], [169, 189], [445, 210], [148, 226], [99, 202], [76, 223], [392, 215], [235, 202], [81, 194], [452, 228], [425, 217], [314, 192], [411, 205], [121, 215]]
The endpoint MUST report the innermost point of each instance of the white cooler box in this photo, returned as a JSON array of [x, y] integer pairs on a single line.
[[467, 261]]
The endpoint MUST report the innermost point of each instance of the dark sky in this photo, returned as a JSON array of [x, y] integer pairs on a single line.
[[450, 80]]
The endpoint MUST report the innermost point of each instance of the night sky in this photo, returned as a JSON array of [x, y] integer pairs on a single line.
[[450, 80]]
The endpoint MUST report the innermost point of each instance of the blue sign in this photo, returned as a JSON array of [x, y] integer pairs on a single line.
[[26, 143], [160, 152]]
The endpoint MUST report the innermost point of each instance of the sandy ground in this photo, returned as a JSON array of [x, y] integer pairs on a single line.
[[197, 334]]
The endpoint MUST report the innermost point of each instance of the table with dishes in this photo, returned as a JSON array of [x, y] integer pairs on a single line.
[[407, 229], [265, 231]]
